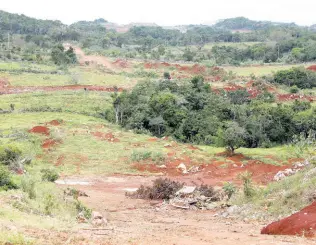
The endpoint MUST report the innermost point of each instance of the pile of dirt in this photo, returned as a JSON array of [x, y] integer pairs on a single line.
[[302, 223], [49, 143], [54, 123], [312, 68], [39, 130], [178, 195], [106, 136]]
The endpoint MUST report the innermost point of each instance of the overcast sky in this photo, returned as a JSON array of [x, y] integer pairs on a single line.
[[165, 12]]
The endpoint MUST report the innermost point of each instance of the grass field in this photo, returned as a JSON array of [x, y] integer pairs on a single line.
[[90, 103], [74, 76], [258, 70]]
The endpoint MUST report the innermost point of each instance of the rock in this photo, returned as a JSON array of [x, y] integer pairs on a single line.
[[194, 169], [186, 190], [162, 166], [210, 206], [81, 218], [279, 176], [232, 209], [98, 219], [183, 168], [96, 215]]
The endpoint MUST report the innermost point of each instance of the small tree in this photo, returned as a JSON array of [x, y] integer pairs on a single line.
[[232, 137]]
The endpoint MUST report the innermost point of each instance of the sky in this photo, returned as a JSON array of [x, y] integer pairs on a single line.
[[165, 12]]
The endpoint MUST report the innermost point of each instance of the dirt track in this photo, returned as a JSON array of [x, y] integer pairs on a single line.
[[144, 222]]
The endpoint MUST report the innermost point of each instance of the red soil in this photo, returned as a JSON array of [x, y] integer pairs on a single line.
[[215, 172], [312, 68], [27, 89], [105, 136], [153, 139], [40, 130], [121, 63], [49, 143], [289, 97], [302, 223], [60, 160], [54, 123], [3, 83]]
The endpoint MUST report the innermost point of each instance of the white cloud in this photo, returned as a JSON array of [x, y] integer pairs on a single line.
[[165, 12]]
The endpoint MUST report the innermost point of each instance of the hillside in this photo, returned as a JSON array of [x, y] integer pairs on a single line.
[[116, 134]]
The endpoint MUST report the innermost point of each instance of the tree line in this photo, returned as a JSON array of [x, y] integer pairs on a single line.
[[192, 113]]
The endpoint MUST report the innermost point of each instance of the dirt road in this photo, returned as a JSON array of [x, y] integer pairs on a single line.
[[140, 222]]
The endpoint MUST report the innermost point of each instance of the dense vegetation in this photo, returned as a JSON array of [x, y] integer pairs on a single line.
[[191, 112], [24, 38]]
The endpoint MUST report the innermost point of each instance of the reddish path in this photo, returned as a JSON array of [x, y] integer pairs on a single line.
[[30, 89]]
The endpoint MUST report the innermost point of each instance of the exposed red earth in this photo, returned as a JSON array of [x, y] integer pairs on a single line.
[[214, 173], [48, 143], [312, 68], [105, 136], [54, 123], [40, 130], [302, 223], [29, 89]]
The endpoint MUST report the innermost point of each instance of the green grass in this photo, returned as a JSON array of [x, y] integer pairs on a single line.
[[281, 198], [75, 76], [258, 70], [90, 103], [26, 65]]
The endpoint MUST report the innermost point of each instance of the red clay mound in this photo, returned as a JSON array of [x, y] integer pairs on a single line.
[[54, 123], [312, 68], [49, 143], [108, 137], [40, 130], [302, 223]]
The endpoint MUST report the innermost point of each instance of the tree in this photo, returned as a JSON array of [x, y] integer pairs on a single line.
[[232, 137], [61, 57]]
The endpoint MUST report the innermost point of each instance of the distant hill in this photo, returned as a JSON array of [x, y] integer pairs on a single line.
[[21, 24], [242, 24]]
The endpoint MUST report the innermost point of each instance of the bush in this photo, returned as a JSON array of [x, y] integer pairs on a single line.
[[249, 190], [81, 208], [161, 189], [294, 89], [49, 204], [50, 175], [230, 189], [28, 186], [6, 182], [9, 153]]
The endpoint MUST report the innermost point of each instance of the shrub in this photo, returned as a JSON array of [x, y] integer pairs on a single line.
[[9, 153], [161, 189], [138, 156], [49, 204], [229, 188], [28, 186], [294, 89], [6, 182], [81, 208], [206, 190], [50, 175], [249, 190]]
